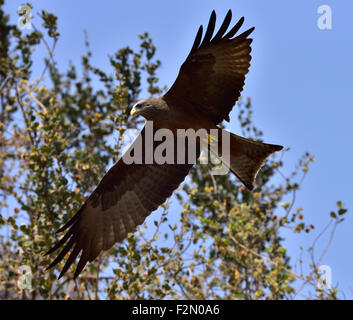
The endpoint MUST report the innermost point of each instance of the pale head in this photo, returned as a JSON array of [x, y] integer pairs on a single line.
[[150, 109]]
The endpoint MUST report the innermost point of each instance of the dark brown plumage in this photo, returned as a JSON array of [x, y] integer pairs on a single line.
[[125, 196], [213, 75], [207, 87]]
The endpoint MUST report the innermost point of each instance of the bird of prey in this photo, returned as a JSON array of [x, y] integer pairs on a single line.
[[207, 87]]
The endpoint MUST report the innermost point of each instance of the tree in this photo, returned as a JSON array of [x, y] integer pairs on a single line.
[[58, 134]]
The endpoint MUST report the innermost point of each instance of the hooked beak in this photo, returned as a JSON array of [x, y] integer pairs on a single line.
[[133, 112]]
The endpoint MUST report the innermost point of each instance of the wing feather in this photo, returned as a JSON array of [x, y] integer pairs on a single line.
[[213, 75], [125, 196], [224, 26], [210, 29], [235, 29], [197, 40]]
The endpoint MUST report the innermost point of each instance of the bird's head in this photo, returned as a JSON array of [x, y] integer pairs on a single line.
[[150, 109]]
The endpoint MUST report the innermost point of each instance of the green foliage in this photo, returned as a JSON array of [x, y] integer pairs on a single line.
[[58, 135]]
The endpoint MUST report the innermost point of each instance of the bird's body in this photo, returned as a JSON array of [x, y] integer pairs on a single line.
[[171, 114], [206, 89]]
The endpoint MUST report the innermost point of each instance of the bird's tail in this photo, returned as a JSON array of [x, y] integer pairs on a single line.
[[246, 157]]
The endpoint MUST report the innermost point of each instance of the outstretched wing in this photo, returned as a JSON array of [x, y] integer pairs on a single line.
[[125, 196], [213, 74]]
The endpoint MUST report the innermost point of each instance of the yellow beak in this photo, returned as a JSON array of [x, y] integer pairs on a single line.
[[133, 112]]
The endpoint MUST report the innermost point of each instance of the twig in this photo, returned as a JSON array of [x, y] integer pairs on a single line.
[[36, 100]]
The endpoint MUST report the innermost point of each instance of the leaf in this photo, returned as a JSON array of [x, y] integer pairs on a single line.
[[333, 214], [342, 211]]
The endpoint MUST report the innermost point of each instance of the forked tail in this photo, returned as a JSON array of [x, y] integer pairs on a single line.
[[246, 157]]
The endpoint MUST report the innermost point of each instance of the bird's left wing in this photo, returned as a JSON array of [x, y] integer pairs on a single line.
[[213, 74], [125, 196]]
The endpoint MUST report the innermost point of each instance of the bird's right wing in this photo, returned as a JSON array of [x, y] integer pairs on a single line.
[[125, 196]]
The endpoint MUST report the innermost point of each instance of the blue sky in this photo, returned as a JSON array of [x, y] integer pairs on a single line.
[[299, 81]]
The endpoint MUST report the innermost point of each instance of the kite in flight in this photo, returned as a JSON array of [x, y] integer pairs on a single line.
[[207, 87]]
